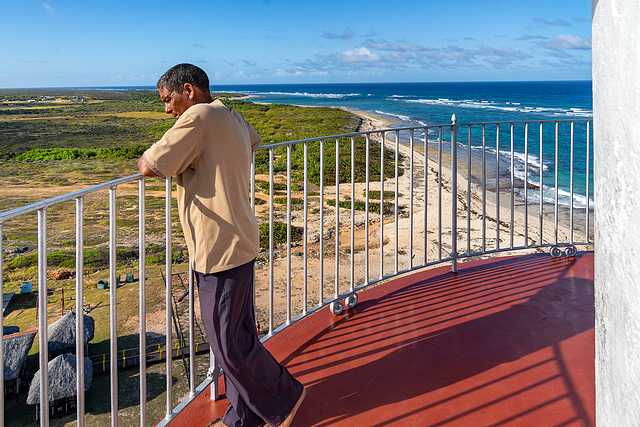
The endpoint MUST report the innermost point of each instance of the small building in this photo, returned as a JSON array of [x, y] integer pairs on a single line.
[[62, 384], [62, 334], [16, 350]]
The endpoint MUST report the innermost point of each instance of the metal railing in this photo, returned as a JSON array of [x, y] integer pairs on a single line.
[[375, 204]]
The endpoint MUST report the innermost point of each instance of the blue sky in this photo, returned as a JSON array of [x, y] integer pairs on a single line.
[[116, 43]]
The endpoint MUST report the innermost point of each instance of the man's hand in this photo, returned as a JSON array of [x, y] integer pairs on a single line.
[[144, 168]]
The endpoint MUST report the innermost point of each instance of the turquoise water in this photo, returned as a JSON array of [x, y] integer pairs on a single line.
[[410, 104]]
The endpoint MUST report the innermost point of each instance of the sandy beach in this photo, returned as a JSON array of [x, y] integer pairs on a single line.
[[421, 238]]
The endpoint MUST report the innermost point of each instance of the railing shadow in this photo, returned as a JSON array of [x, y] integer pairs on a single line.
[[426, 355]]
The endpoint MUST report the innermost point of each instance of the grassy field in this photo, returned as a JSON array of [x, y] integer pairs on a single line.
[[56, 141]]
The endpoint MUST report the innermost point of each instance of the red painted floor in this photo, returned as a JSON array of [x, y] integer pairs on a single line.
[[506, 341]]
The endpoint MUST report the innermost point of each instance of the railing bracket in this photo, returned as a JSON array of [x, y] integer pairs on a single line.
[[350, 301], [557, 251]]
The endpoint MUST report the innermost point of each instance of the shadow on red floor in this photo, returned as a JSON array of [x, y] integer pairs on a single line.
[[506, 341]]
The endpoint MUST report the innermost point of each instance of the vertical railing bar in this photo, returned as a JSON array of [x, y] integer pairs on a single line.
[[306, 228], [353, 211], [1, 328], [42, 317], [321, 260], [396, 206], [382, 145], [252, 199], [497, 186], [192, 333], [336, 280], [142, 300], [571, 184], [484, 189], [540, 208], [113, 313], [440, 194], [168, 295], [288, 234], [214, 371], [454, 194], [556, 213], [271, 263], [511, 225], [426, 195], [252, 182], [587, 186], [366, 208], [526, 184], [469, 190], [80, 396], [411, 186]]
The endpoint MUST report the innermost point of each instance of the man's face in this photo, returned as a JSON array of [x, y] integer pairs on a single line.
[[175, 103]]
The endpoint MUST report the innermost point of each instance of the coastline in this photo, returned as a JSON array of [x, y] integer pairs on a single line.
[[535, 213]]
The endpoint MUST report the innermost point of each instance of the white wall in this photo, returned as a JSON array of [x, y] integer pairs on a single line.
[[616, 91]]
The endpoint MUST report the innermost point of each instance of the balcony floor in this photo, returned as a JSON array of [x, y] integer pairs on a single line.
[[506, 341]]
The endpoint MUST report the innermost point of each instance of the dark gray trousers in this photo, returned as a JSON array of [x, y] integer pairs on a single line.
[[259, 389]]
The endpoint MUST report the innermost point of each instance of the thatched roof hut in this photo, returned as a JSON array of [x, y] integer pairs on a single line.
[[62, 379], [16, 350], [62, 333]]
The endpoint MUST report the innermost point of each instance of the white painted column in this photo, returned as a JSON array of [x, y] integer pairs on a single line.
[[616, 91]]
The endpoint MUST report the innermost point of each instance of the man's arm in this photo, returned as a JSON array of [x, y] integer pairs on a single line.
[[144, 168]]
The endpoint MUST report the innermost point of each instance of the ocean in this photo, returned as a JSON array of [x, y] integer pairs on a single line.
[[425, 104], [411, 104]]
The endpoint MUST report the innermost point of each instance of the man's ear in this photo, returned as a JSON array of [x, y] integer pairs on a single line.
[[190, 90]]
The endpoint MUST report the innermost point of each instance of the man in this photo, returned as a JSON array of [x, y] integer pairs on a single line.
[[209, 149]]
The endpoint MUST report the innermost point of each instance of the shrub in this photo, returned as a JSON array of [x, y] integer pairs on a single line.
[[279, 233]]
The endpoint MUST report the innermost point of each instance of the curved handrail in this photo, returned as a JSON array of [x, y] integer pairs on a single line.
[[469, 170]]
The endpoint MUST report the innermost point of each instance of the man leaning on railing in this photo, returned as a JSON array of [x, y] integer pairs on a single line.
[[209, 149]]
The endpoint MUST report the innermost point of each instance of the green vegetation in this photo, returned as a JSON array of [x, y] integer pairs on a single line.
[[40, 154], [375, 195], [329, 166], [279, 233], [374, 207]]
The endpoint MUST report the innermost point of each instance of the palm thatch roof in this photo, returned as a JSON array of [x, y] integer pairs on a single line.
[[16, 350], [6, 300], [62, 333], [8, 330], [62, 379]]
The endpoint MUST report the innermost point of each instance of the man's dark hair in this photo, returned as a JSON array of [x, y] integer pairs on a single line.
[[176, 76]]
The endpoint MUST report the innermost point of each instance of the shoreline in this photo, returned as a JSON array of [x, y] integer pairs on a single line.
[[545, 213]]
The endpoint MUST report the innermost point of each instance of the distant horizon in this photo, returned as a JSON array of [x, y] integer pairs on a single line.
[[152, 87]]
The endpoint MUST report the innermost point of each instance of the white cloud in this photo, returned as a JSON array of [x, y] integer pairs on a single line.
[[219, 75], [567, 41], [48, 8], [359, 54], [526, 37], [555, 22], [396, 47], [130, 78], [286, 73]]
